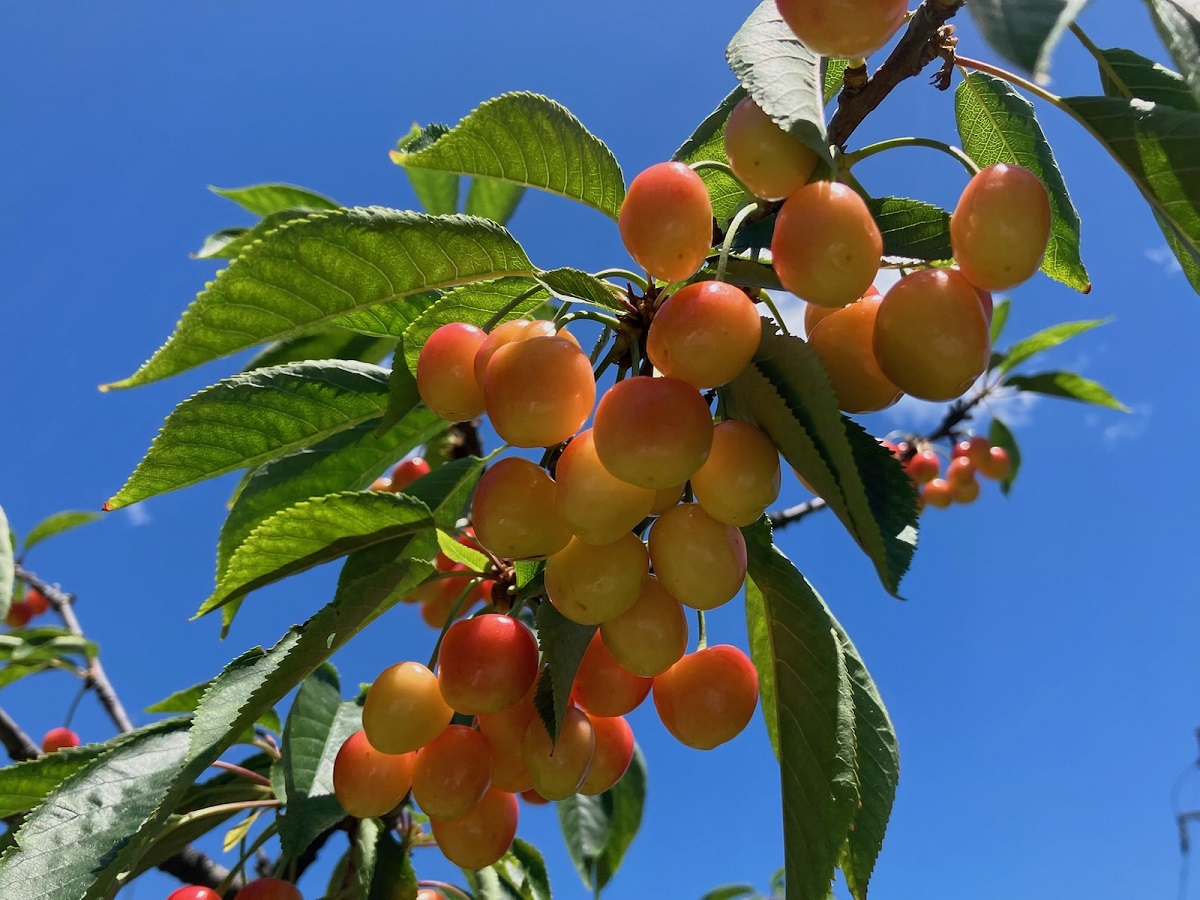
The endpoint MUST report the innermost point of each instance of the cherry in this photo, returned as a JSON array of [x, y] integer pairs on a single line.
[[960, 471], [505, 728], [996, 465], [666, 221], [452, 772], [704, 334], [923, 466], [533, 798], [404, 709], [931, 337], [938, 493], [509, 332], [845, 29], [591, 501], [194, 892], [700, 561], [446, 372], [486, 663], [741, 476], [1000, 227], [650, 636], [368, 783], [814, 313], [483, 835], [590, 584], [844, 341], [19, 614], [652, 432], [59, 739], [539, 391], [603, 687], [406, 472], [558, 768], [966, 490], [38, 604], [708, 697], [509, 772], [513, 509], [269, 889], [665, 498], [974, 448], [767, 159], [614, 753], [826, 246]]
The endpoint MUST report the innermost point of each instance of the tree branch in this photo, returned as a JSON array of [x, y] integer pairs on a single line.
[[926, 38], [19, 745]]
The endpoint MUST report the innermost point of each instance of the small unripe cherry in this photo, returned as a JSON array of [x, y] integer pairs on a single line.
[[446, 372], [767, 159], [708, 697], [590, 584], [996, 465], [650, 636], [59, 739], [602, 686], [486, 663], [614, 753], [652, 432], [404, 709], [452, 772], [590, 500], [558, 768], [368, 783], [483, 835], [704, 334], [826, 246], [38, 604], [269, 889], [514, 511], [844, 340], [666, 221], [406, 472], [931, 338], [975, 448], [539, 392], [960, 471], [1000, 227], [194, 892], [923, 466], [844, 29], [937, 493], [700, 561], [741, 476]]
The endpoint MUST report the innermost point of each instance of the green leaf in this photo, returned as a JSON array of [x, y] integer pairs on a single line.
[[785, 392], [330, 342], [1044, 340], [317, 725], [1067, 385], [350, 460], [577, 285], [730, 892], [1178, 24], [264, 199], [188, 699], [835, 74], [32, 645], [912, 229], [474, 304], [7, 566], [230, 243], [815, 712], [254, 417], [598, 830], [523, 870], [436, 191], [998, 125], [1159, 148], [1001, 436], [563, 643], [315, 270], [447, 489], [529, 140], [708, 142], [759, 632], [313, 532], [999, 318], [1025, 31], [214, 245], [782, 75], [55, 525], [461, 553], [1127, 74], [877, 765], [393, 877], [492, 199]]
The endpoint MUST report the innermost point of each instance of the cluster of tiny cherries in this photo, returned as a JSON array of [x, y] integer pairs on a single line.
[[20, 613]]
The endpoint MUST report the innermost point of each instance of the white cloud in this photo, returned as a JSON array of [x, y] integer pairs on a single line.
[[1162, 257], [1129, 428], [137, 515]]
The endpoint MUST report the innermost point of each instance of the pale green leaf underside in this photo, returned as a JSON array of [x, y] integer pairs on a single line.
[[264, 199], [329, 342], [1068, 386], [1025, 31], [57, 524], [1178, 24], [529, 140], [330, 268], [912, 228], [1127, 74], [598, 830], [250, 418], [1044, 340]]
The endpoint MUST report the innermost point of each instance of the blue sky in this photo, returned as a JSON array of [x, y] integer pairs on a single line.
[[1042, 672]]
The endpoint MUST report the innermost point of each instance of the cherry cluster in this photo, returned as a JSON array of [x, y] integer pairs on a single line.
[[972, 456], [32, 605]]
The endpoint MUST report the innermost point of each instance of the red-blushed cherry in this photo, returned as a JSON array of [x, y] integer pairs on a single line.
[[368, 783], [650, 636], [505, 732], [404, 709], [768, 160], [843, 29], [1000, 227], [603, 687], [814, 313], [446, 372], [708, 697], [705, 334], [590, 585], [514, 509], [937, 493], [59, 739], [269, 889], [194, 892], [452, 772], [486, 663], [666, 221], [996, 465], [614, 753], [965, 490], [38, 604], [430, 894], [923, 466], [483, 835], [406, 472], [652, 432], [699, 561], [533, 798], [540, 391], [558, 768], [960, 471], [19, 614]]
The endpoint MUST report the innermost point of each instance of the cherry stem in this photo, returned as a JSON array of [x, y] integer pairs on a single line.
[[83, 689], [727, 244], [509, 307], [633, 277], [242, 771], [1036, 90], [702, 631], [770, 304], [589, 315], [222, 808], [462, 597], [721, 167], [956, 153]]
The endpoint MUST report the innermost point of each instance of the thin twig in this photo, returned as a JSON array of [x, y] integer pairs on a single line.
[[19, 745]]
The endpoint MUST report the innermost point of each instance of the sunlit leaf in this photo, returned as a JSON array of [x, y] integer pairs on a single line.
[[1178, 24], [598, 830], [1025, 31], [264, 199], [1069, 386], [1044, 340], [55, 525]]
